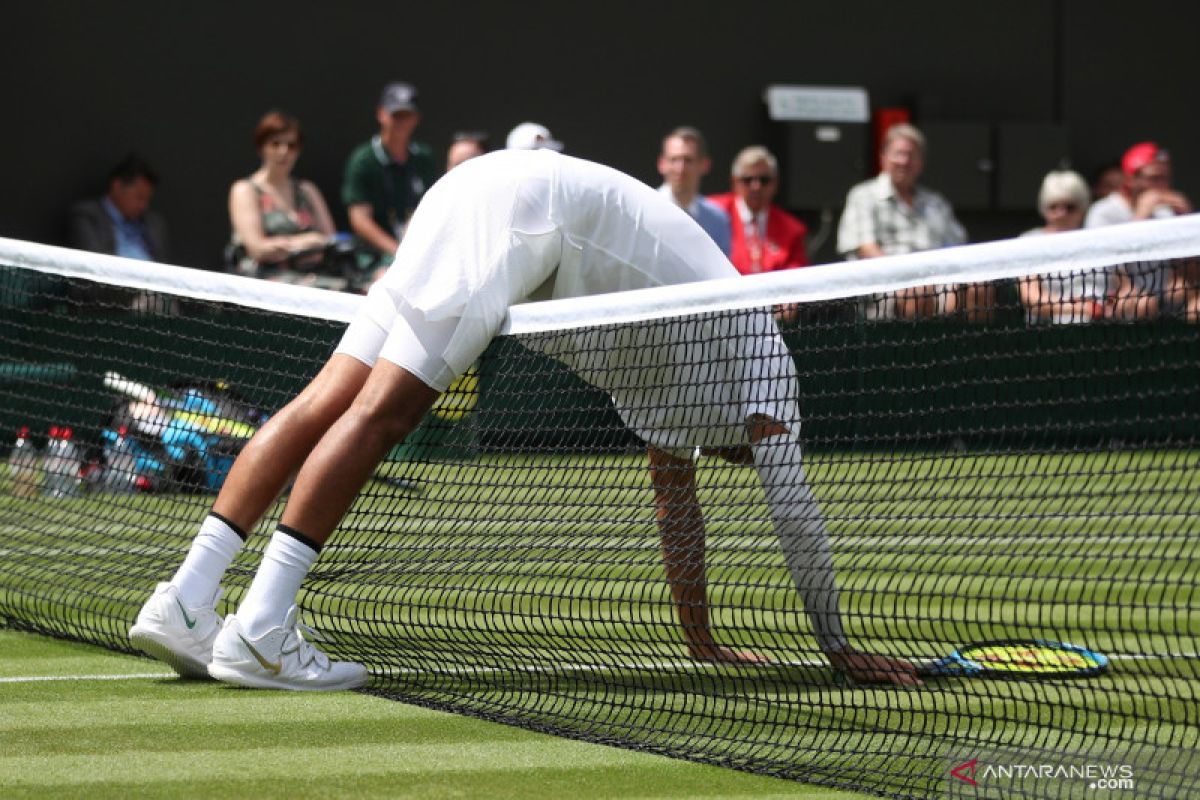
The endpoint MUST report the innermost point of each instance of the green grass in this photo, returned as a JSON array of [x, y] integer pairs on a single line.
[[163, 737], [529, 589]]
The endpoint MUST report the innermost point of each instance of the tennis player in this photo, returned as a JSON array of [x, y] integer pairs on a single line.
[[500, 229]]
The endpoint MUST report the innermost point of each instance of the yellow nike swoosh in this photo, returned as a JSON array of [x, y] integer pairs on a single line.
[[272, 667]]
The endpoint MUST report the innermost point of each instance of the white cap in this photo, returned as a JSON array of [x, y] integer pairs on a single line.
[[532, 136]]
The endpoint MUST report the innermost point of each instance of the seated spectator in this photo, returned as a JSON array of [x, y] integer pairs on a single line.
[[1108, 180], [121, 223], [763, 237], [892, 214], [532, 136], [1144, 192], [1068, 296], [1145, 289], [281, 225], [466, 145], [682, 163], [386, 177]]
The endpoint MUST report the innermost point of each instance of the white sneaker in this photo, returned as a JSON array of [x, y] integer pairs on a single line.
[[177, 634], [279, 659]]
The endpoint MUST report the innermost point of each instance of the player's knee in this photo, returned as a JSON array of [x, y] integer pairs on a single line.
[[390, 422]]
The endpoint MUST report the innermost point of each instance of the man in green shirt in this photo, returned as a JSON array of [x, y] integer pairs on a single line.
[[386, 177]]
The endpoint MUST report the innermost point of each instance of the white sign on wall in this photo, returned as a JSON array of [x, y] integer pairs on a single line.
[[818, 103]]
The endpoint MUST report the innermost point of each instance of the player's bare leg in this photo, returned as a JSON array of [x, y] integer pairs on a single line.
[[263, 645], [390, 405], [179, 623], [681, 528], [276, 451]]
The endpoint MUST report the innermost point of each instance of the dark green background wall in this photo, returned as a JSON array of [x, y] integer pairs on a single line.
[[185, 83]]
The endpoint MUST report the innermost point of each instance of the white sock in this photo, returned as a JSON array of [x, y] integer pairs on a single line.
[[802, 536], [211, 553], [284, 566]]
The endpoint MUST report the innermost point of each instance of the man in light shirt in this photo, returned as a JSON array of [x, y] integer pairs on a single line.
[[891, 214], [683, 163]]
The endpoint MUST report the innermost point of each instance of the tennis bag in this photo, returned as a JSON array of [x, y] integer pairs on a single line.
[[184, 441]]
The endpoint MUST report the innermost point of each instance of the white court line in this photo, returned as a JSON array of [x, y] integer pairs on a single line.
[[543, 669], [133, 676]]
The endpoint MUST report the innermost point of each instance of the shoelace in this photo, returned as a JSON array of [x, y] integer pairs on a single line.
[[305, 651]]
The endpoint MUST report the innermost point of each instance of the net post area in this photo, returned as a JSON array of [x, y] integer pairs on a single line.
[[716, 530]]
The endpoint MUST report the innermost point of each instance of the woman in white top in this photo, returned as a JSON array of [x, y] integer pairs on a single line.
[[495, 231], [1069, 296]]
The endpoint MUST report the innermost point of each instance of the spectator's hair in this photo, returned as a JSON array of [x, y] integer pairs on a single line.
[[688, 134], [132, 167], [1063, 184], [903, 130], [273, 123], [1103, 169], [480, 138], [753, 155]]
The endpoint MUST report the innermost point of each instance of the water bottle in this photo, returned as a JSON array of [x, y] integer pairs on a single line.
[[120, 457], [62, 465], [23, 464]]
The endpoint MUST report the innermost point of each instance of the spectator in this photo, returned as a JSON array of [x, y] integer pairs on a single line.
[[1068, 296], [532, 136], [466, 145], [892, 214], [386, 177], [763, 237], [121, 223], [1108, 180], [1144, 289], [683, 162], [1145, 191], [281, 225]]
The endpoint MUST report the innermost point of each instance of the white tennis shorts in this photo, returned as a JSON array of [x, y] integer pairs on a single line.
[[401, 335]]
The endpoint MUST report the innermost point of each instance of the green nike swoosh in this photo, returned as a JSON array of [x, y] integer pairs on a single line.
[[191, 623], [272, 667]]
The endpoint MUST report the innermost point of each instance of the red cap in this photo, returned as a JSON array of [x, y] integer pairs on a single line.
[[53, 431], [1140, 155], [66, 433]]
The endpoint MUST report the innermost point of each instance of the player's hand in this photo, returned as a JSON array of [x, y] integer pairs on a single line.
[[717, 654], [871, 668]]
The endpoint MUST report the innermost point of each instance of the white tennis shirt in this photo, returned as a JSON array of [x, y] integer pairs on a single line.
[[513, 225]]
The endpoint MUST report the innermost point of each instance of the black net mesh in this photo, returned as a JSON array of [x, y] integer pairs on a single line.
[[979, 471]]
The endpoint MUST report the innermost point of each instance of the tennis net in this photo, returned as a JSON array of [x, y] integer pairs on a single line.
[[999, 441]]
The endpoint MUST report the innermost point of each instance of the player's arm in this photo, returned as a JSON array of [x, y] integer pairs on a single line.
[[681, 527], [805, 543]]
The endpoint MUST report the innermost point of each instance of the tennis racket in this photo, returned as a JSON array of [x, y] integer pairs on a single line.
[[1015, 658]]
